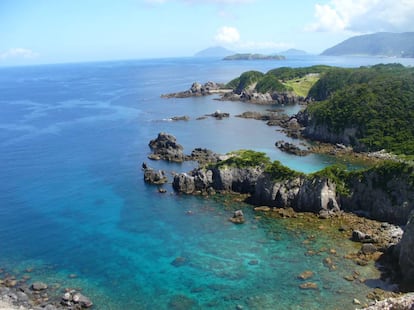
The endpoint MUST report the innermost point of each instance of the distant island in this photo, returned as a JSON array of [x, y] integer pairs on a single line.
[[378, 44], [248, 56], [293, 52], [215, 51]]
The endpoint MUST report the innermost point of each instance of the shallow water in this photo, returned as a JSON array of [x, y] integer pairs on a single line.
[[72, 198]]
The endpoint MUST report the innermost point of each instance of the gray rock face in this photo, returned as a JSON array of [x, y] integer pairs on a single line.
[[165, 147], [197, 90], [302, 194], [155, 176], [228, 179], [381, 199], [406, 259], [318, 195], [241, 180], [279, 194]]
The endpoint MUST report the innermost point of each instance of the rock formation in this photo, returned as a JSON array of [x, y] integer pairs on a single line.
[[165, 147], [198, 90]]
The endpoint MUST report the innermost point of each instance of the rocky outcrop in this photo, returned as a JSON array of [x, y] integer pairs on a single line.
[[406, 255], [227, 179], [198, 90], [155, 176], [291, 148], [300, 193], [380, 197], [165, 147], [219, 115], [252, 96]]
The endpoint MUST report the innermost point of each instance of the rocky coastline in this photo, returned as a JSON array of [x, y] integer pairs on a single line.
[[375, 194], [18, 293], [247, 95], [199, 90]]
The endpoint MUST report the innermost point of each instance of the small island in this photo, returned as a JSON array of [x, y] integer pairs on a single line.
[[248, 56]]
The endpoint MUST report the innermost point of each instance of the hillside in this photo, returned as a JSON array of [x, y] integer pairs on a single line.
[[377, 44], [297, 80], [370, 108], [216, 51]]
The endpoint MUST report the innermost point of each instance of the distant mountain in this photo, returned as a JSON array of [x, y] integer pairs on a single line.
[[293, 52], [254, 57], [216, 51], [377, 44]]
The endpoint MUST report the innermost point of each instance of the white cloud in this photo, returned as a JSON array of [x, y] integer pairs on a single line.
[[18, 52], [361, 16], [227, 35]]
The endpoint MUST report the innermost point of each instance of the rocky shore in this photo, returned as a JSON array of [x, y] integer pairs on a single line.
[[247, 95], [198, 90], [383, 195], [20, 294]]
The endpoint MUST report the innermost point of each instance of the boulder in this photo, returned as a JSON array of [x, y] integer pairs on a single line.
[[238, 217], [82, 300], [165, 147], [39, 286]]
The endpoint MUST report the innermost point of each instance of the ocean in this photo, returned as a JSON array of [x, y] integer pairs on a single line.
[[75, 211]]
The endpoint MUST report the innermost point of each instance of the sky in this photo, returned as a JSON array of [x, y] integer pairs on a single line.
[[57, 31]]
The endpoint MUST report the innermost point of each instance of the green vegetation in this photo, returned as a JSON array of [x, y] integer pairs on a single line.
[[249, 158], [378, 102], [301, 86], [244, 159], [245, 80], [278, 172], [337, 174], [270, 83], [288, 73], [298, 80]]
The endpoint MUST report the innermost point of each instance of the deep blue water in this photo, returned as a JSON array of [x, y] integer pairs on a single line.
[[72, 198]]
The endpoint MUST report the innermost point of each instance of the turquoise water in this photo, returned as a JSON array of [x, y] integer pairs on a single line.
[[73, 202]]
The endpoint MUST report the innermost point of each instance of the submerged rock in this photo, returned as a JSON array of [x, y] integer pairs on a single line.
[[238, 217]]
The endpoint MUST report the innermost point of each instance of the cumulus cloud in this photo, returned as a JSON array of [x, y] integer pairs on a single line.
[[227, 35], [362, 16], [18, 52]]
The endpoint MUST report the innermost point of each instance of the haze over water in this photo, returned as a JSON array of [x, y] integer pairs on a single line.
[[73, 200]]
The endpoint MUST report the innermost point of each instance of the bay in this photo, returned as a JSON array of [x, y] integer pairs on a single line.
[[73, 202]]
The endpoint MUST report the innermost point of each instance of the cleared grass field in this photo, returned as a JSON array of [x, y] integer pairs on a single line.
[[301, 86]]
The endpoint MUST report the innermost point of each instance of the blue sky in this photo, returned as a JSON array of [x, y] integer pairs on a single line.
[[52, 31]]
